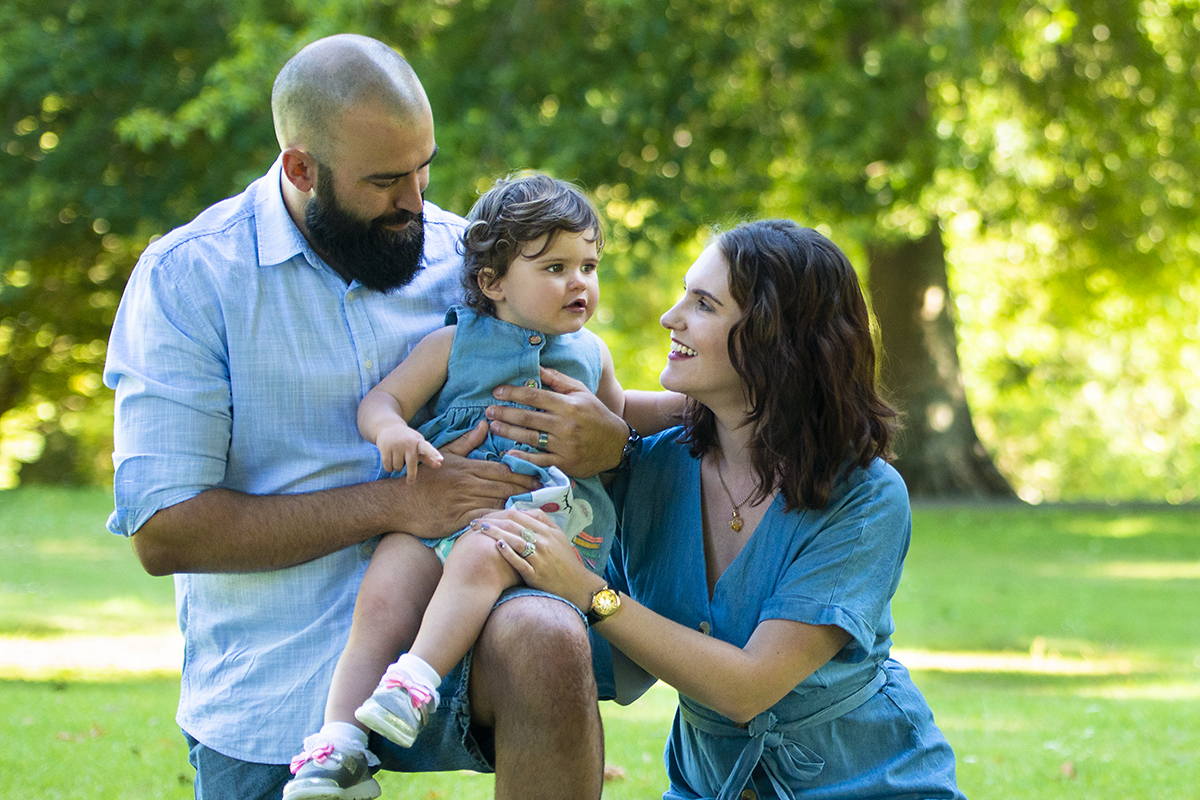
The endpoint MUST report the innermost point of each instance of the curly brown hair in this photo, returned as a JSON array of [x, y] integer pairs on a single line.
[[517, 210], [804, 349]]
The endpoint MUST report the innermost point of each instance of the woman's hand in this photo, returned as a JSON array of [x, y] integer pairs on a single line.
[[553, 565]]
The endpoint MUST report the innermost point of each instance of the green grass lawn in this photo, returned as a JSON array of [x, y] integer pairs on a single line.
[[1059, 649]]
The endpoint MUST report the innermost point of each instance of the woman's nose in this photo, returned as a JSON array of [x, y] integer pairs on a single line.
[[667, 320]]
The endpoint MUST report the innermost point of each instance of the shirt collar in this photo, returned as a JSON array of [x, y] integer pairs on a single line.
[[279, 239]]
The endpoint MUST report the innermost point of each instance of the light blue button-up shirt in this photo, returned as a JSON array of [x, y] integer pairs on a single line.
[[239, 357]]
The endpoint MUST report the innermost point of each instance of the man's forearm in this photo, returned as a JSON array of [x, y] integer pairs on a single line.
[[225, 531]]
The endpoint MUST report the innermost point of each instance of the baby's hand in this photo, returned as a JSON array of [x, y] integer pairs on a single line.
[[401, 446]]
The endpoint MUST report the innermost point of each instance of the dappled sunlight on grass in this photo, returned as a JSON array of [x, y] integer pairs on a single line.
[[1014, 662], [90, 549], [1146, 690], [1128, 526], [1148, 570], [91, 658]]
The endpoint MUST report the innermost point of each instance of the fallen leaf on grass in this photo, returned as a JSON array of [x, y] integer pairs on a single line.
[[613, 773], [95, 733]]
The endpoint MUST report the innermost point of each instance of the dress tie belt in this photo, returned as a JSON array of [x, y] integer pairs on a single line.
[[784, 760]]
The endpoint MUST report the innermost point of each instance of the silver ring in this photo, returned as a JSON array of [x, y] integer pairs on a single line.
[[529, 550], [543, 440], [528, 536]]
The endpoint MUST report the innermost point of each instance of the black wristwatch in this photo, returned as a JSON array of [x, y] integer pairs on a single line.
[[630, 443]]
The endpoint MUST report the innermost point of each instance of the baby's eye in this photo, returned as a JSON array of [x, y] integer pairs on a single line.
[[555, 268], [589, 268]]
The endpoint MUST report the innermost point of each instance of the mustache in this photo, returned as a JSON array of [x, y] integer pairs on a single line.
[[398, 217]]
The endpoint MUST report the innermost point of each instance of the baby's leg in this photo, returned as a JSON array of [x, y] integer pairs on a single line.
[[400, 579], [475, 575]]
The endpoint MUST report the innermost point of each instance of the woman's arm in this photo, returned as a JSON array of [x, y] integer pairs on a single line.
[[738, 682], [645, 412]]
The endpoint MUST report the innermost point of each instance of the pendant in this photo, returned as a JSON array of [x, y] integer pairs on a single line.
[[736, 522]]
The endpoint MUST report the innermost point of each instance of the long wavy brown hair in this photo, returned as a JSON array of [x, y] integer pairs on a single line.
[[804, 349]]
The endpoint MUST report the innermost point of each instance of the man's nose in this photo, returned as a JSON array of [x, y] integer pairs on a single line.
[[409, 193]]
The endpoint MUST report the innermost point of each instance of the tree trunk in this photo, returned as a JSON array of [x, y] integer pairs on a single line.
[[938, 452]]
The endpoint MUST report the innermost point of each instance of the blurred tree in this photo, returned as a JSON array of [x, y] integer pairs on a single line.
[[119, 119], [1026, 165]]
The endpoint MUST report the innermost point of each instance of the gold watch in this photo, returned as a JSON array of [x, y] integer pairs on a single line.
[[605, 602]]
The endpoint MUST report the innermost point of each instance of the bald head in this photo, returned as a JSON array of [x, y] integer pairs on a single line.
[[329, 76]]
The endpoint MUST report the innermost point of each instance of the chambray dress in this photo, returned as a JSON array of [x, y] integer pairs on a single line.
[[855, 728], [488, 352]]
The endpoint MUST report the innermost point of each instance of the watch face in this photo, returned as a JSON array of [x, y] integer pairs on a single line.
[[605, 602]]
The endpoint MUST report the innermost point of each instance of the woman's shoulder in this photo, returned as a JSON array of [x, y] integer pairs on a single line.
[[664, 445], [874, 491]]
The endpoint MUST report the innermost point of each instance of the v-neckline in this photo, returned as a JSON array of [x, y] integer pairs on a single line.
[[710, 592]]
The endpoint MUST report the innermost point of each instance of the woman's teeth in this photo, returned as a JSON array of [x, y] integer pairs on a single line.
[[683, 350]]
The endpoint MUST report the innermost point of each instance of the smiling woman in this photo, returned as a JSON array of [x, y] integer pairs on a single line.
[[760, 544]]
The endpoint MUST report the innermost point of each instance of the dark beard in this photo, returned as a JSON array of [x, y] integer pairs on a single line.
[[366, 252]]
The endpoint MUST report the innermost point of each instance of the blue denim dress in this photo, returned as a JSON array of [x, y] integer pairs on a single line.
[[488, 352], [857, 727]]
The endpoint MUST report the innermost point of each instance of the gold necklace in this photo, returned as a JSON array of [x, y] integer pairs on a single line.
[[736, 522]]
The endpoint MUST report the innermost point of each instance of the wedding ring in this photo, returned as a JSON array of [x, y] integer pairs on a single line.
[[529, 550], [528, 536], [543, 440]]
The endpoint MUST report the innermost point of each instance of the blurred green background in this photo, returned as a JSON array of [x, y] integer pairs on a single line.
[[1035, 159]]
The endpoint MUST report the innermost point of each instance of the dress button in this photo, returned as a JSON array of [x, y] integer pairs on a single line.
[[748, 794], [535, 339], [531, 383], [705, 628]]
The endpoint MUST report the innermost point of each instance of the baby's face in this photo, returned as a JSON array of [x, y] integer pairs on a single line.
[[552, 289]]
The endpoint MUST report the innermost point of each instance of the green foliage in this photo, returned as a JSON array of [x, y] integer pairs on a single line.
[[1059, 657], [1053, 141]]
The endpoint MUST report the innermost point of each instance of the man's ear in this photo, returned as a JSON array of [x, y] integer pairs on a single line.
[[300, 169], [491, 286]]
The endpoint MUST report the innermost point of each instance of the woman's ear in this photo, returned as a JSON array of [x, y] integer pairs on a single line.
[[491, 286]]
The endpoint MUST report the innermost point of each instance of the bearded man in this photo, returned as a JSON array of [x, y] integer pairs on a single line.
[[243, 344]]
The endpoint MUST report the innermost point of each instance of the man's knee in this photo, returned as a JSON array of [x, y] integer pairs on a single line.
[[534, 652]]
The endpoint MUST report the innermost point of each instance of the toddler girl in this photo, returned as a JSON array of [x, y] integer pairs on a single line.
[[531, 250]]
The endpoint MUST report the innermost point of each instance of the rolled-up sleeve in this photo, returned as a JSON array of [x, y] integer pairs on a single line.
[[167, 364], [849, 565]]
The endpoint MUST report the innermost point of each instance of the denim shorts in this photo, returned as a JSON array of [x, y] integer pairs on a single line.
[[449, 741]]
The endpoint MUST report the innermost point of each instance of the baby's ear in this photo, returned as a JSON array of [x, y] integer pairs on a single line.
[[491, 286]]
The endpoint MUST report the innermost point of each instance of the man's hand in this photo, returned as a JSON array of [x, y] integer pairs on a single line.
[[583, 438], [462, 489], [220, 530]]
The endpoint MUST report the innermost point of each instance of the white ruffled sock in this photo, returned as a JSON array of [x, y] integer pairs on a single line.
[[419, 670]]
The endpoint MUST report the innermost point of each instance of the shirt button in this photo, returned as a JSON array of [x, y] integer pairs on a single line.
[[367, 549], [748, 794], [535, 339], [369, 363], [705, 628], [531, 383]]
